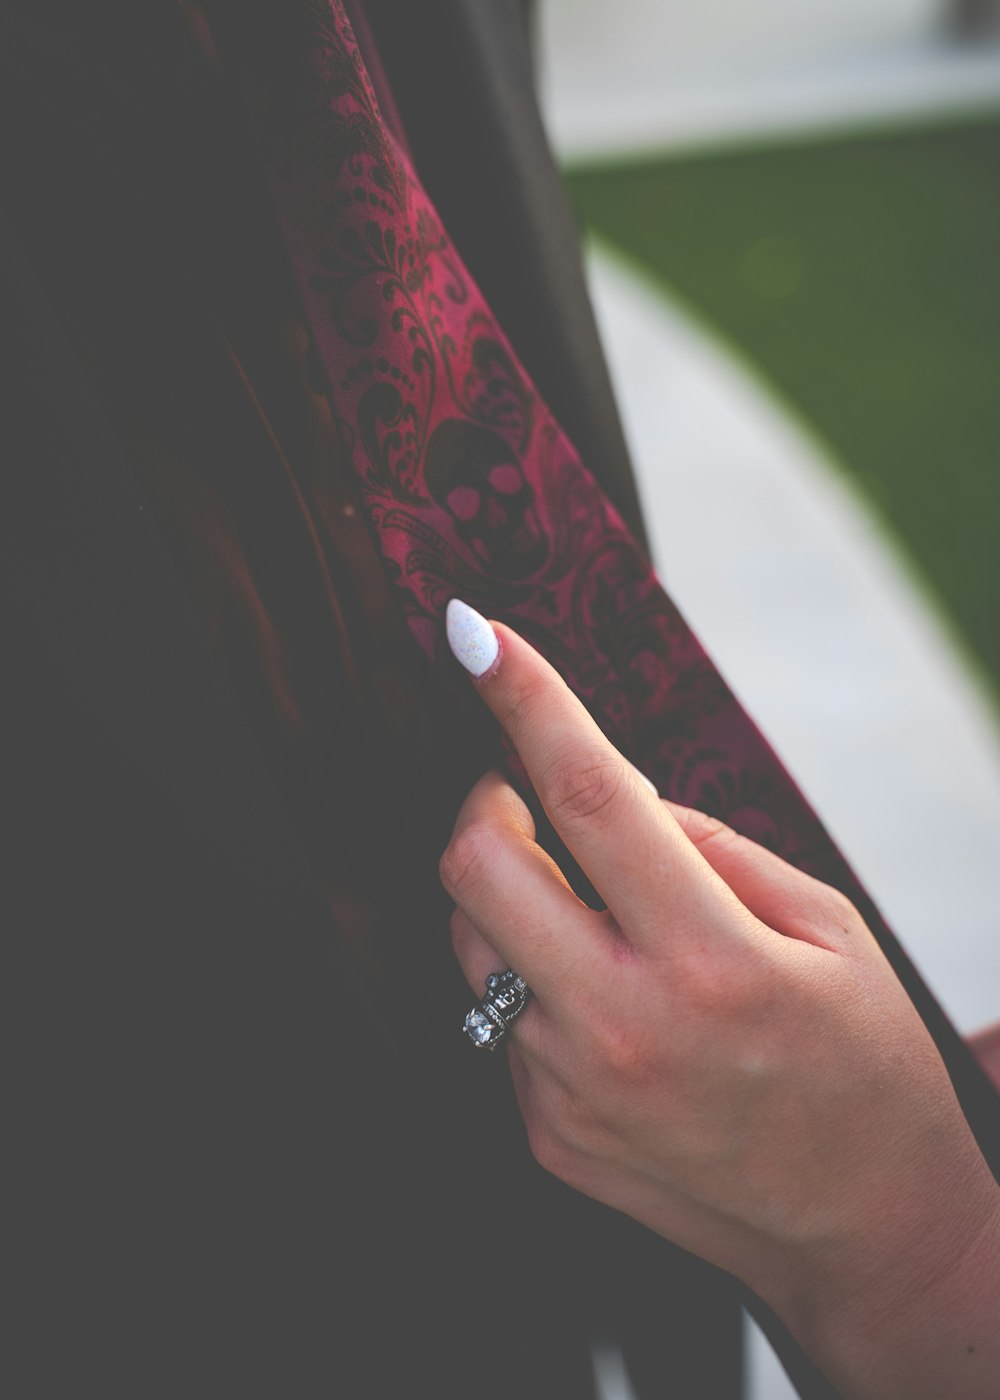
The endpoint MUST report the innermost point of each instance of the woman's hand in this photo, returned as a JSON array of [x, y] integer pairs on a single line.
[[724, 1053]]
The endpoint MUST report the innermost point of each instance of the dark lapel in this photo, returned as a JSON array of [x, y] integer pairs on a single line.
[[83, 558], [182, 992]]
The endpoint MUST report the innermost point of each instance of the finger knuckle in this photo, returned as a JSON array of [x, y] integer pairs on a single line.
[[840, 923], [585, 791], [841, 909], [826, 916], [466, 860], [625, 1052], [712, 986]]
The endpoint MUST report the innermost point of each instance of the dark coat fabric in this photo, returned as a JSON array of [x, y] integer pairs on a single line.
[[240, 1166]]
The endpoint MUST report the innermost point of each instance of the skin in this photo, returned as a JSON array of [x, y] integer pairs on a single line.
[[725, 1055]]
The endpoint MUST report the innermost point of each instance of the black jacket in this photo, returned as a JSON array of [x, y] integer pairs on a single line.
[[230, 1181]]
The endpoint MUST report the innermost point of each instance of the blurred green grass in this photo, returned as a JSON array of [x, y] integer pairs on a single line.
[[861, 274]]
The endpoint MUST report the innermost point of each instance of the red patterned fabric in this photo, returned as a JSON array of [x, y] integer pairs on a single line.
[[472, 488]]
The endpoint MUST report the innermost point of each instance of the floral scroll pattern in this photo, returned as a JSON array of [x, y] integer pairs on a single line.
[[471, 486]]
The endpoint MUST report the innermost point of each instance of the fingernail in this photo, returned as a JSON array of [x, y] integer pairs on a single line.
[[648, 781], [471, 637]]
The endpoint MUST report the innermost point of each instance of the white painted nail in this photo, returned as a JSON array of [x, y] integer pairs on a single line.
[[470, 637]]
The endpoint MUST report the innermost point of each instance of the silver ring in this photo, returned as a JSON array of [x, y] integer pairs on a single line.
[[506, 996]]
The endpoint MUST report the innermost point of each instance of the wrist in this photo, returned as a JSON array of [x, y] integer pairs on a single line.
[[913, 1309]]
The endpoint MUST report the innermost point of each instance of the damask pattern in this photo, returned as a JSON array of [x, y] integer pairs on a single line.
[[472, 488]]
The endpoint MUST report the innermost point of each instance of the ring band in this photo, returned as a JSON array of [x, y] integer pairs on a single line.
[[488, 1023]]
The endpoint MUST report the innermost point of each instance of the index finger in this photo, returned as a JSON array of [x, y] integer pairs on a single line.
[[627, 843]]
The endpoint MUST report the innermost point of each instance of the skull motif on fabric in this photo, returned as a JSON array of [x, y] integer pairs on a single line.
[[473, 473]]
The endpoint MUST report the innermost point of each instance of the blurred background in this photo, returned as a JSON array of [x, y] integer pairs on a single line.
[[791, 214]]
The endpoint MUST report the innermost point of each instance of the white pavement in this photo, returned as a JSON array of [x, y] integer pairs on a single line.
[[647, 75], [806, 608]]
